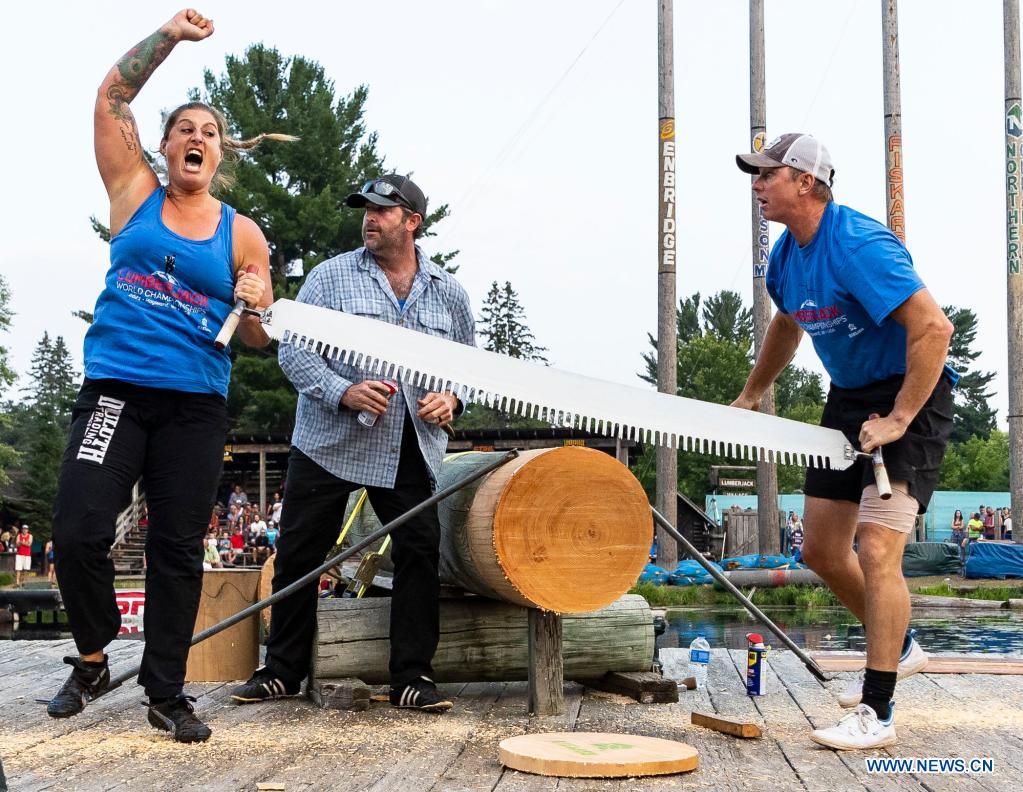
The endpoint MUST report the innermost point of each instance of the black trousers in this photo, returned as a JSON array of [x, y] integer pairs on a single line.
[[314, 505], [175, 441]]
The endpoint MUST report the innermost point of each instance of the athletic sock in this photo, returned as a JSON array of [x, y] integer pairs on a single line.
[[878, 689]]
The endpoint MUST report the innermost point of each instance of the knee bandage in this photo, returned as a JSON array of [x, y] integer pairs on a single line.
[[898, 512]]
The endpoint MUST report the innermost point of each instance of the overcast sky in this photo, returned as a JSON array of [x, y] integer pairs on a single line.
[[537, 123]]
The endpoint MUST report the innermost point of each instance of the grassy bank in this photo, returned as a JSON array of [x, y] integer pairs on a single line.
[[693, 596], [997, 593]]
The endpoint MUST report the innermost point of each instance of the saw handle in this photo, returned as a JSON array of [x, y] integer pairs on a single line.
[[884, 487], [231, 323]]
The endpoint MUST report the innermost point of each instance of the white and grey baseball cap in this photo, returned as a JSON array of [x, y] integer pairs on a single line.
[[802, 152]]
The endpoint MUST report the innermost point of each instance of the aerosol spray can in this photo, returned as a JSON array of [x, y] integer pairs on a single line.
[[367, 418], [756, 678]]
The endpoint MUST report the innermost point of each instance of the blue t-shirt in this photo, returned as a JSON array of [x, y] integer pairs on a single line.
[[841, 288], [154, 324]]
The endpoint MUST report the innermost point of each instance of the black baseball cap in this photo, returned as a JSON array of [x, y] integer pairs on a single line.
[[390, 190]]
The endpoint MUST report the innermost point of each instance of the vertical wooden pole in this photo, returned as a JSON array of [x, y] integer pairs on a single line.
[[667, 326], [767, 472], [894, 197], [262, 481], [1014, 290], [546, 677]]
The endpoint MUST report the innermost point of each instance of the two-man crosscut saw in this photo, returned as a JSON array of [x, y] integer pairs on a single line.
[[563, 398]]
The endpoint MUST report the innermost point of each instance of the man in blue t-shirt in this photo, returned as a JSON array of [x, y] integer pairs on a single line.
[[849, 283]]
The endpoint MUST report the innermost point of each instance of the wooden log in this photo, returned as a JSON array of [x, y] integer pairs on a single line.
[[234, 653], [546, 672], [341, 694], [928, 601], [551, 516], [736, 728], [481, 640], [646, 687]]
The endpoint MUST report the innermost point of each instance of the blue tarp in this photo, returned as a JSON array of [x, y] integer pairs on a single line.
[[654, 574], [690, 573], [754, 561], [993, 560]]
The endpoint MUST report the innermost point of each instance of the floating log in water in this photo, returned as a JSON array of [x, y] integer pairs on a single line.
[[481, 640]]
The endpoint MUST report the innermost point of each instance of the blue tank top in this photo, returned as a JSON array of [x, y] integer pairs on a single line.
[[164, 301]]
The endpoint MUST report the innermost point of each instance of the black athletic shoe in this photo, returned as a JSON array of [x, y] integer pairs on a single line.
[[420, 694], [264, 686], [87, 681], [178, 716]]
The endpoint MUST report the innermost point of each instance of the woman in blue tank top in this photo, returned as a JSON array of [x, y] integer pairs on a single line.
[[152, 404]]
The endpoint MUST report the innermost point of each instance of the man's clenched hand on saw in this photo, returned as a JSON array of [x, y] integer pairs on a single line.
[[438, 408]]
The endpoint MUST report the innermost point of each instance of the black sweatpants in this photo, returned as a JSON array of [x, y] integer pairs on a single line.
[[175, 442], [314, 505]]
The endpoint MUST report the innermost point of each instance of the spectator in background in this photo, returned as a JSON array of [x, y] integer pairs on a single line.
[[272, 532], [23, 548], [797, 540], [238, 498], [958, 528], [233, 516], [261, 547], [5, 540], [238, 545], [1006, 523], [988, 517], [211, 557], [257, 526], [51, 568], [974, 528], [224, 548], [275, 510]]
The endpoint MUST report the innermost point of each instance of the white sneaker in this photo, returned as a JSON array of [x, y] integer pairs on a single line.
[[859, 730], [913, 660]]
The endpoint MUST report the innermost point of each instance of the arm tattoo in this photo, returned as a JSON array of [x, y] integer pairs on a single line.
[[135, 68]]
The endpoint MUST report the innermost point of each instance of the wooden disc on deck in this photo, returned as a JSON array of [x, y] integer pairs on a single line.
[[596, 755]]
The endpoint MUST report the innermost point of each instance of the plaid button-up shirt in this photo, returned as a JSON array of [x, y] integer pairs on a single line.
[[330, 434]]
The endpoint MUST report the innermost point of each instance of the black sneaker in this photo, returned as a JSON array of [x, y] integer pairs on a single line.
[[87, 681], [420, 694], [264, 686], [178, 716]]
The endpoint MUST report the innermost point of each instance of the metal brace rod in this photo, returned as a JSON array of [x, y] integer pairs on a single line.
[[731, 589]]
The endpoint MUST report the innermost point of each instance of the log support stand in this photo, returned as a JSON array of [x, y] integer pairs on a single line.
[[546, 683]]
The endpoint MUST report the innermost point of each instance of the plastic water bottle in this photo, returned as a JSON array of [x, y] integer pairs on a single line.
[[699, 659]]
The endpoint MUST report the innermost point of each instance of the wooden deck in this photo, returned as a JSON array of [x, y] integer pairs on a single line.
[[297, 746]]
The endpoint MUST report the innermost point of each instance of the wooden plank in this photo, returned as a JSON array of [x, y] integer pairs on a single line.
[[937, 664], [957, 603], [545, 687], [646, 687], [341, 694], [732, 726]]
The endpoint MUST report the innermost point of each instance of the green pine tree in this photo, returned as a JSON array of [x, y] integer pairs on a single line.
[[9, 457], [502, 326], [973, 416], [715, 340], [51, 394]]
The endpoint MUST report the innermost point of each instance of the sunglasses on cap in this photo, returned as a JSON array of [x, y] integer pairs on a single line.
[[386, 190]]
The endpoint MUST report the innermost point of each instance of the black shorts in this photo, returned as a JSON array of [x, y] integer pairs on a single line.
[[914, 458]]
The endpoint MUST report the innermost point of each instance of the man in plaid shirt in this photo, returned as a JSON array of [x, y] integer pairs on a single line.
[[396, 459]]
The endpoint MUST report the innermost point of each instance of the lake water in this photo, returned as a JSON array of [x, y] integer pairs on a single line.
[[823, 629]]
